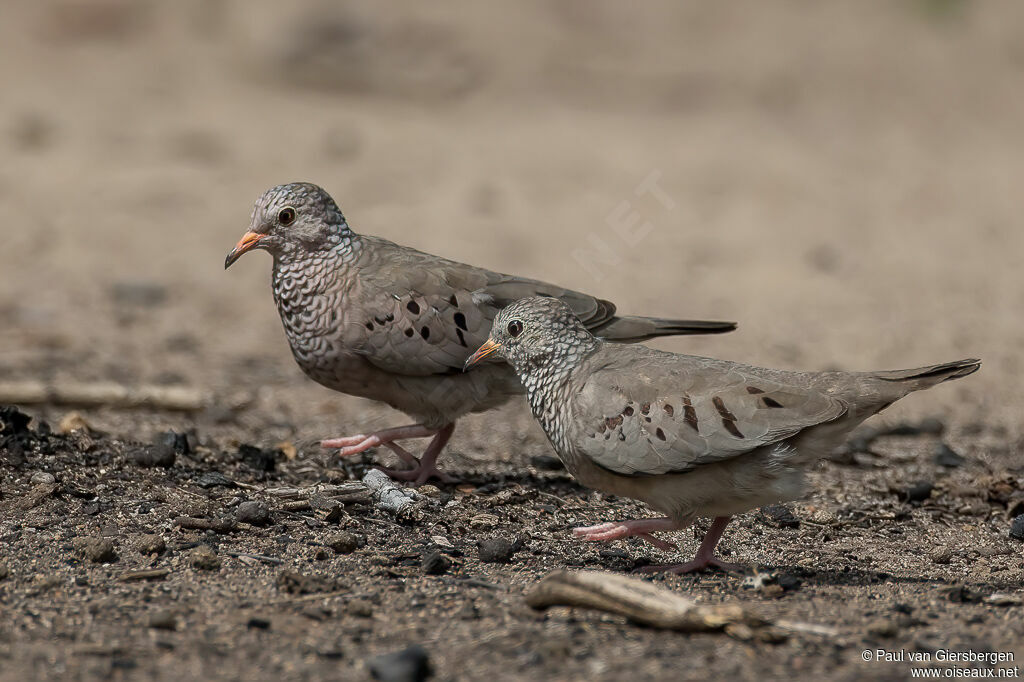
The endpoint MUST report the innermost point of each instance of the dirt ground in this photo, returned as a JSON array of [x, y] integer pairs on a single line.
[[842, 179]]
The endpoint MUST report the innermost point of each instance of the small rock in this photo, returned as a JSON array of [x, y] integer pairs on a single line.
[[163, 620], [318, 613], [97, 550], [150, 544], [1017, 528], [961, 594], [343, 543], [483, 522], [431, 491], [918, 492], [72, 421], [435, 563], [408, 665], [360, 608], [261, 459], [547, 463], [42, 478], [294, 582], [780, 516], [161, 455], [883, 628], [941, 555], [253, 512], [1004, 599], [945, 456], [258, 623], [204, 558], [824, 517], [496, 550], [212, 479], [181, 443]]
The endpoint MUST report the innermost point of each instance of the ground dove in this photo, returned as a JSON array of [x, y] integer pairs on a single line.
[[374, 319], [689, 436]]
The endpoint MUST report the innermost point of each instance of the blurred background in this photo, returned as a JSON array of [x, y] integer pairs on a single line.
[[841, 178]]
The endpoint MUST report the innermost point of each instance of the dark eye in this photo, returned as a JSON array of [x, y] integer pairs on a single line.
[[287, 216], [515, 328]]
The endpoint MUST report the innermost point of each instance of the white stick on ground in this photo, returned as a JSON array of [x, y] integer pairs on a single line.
[[386, 494]]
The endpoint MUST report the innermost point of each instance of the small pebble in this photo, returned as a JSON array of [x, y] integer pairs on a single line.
[[150, 544], [163, 620], [253, 512], [204, 558], [161, 455], [883, 628], [42, 478], [258, 623], [343, 543], [97, 550], [1017, 528], [496, 550], [409, 665], [945, 456], [941, 555], [918, 492], [435, 563], [780, 516], [360, 608], [212, 479]]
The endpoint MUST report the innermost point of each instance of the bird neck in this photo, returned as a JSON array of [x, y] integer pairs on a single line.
[[547, 378]]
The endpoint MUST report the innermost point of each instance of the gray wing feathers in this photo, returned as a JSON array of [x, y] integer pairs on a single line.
[[657, 416]]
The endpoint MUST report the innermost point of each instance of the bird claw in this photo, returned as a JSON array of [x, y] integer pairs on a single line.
[[617, 530], [419, 475]]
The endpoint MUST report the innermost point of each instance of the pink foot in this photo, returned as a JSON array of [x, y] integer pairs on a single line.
[[705, 554], [617, 530], [421, 470]]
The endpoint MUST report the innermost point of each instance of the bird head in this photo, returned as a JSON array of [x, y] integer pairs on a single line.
[[293, 218], [531, 331]]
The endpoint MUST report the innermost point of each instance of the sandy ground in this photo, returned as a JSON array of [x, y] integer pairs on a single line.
[[842, 179]]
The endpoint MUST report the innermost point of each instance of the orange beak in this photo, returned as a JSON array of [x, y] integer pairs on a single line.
[[482, 352], [246, 243]]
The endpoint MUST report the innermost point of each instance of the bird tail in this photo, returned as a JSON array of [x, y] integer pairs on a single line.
[[636, 329], [926, 377]]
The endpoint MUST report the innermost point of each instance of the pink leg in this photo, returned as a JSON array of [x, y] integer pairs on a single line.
[[425, 468], [641, 528], [421, 470], [705, 554], [353, 445]]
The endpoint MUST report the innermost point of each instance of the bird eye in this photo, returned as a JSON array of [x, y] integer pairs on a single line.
[[287, 216], [515, 328]]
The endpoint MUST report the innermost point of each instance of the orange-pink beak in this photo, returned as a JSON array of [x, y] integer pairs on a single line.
[[246, 243], [482, 352]]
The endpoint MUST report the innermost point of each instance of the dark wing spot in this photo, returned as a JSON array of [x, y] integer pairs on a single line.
[[389, 318], [754, 390], [669, 410], [369, 325], [660, 434], [722, 409], [769, 402], [614, 422], [462, 339], [628, 411], [730, 426], [413, 307], [690, 414], [622, 436], [379, 320], [647, 419], [409, 332], [460, 322], [425, 333], [454, 301], [645, 408]]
